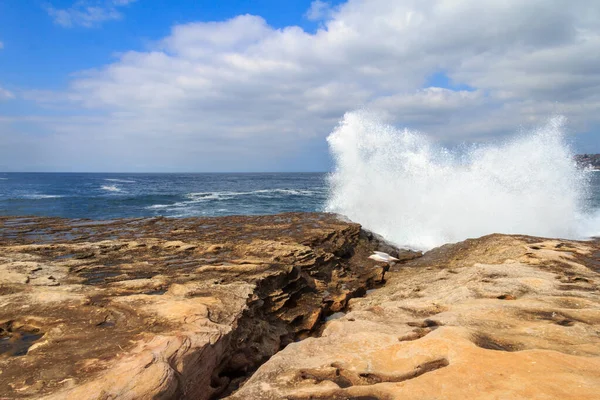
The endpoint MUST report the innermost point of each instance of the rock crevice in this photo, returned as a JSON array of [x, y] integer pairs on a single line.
[[484, 318], [159, 308]]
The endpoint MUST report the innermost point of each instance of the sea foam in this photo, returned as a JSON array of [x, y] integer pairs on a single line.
[[119, 180], [42, 196], [401, 185], [202, 196], [110, 188]]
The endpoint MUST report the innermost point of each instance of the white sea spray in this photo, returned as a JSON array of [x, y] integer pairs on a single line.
[[401, 185]]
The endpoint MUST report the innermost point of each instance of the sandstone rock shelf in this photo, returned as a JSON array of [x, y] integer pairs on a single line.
[[279, 307], [501, 317], [167, 308]]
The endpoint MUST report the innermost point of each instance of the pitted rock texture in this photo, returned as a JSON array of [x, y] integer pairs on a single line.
[[500, 317], [167, 308]]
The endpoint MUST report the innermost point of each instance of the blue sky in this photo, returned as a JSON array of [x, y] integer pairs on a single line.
[[157, 85], [41, 42]]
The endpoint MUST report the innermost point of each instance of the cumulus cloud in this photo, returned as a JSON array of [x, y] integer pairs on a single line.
[[210, 95], [318, 10], [88, 13]]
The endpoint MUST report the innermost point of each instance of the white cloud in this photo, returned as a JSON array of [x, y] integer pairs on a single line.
[[5, 94], [212, 95], [318, 10], [88, 13]]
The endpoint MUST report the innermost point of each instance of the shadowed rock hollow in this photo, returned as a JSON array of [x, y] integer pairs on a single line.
[[167, 308]]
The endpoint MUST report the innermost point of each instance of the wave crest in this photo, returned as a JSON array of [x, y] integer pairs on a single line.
[[42, 196], [119, 180], [110, 188]]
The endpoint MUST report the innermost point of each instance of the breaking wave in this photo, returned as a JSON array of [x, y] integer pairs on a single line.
[[42, 196], [203, 196], [110, 188], [398, 183], [193, 199]]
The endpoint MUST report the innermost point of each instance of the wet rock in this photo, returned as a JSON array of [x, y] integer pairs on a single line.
[[16, 340], [167, 308], [588, 161]]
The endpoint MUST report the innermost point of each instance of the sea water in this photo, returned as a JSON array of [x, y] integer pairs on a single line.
[[109, 196]]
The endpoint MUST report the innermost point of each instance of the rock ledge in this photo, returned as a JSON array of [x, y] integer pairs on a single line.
[[500, 317], [167, 308]]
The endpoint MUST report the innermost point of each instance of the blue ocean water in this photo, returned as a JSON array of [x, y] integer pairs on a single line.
[[108, 196]]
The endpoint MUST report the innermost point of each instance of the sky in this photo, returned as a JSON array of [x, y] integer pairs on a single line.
[[257, 85]]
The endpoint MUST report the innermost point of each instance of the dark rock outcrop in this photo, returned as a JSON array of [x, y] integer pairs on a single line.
[[588, 161]]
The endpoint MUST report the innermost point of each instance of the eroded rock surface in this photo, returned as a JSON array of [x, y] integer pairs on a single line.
[[162, 308], [501, 317]]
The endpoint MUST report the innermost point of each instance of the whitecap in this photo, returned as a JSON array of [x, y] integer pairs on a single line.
[[206, 196], [158, 206], [293, 192], [111, 188], [119, 180], [189, 206], [42, 196]]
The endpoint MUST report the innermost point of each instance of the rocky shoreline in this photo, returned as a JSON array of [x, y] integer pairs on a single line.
[[284, 307], [591, 161]]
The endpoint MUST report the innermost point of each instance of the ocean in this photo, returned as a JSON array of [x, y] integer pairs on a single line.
[[110, 196]]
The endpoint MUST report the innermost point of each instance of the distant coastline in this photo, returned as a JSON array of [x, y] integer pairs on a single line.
[[590, 161]]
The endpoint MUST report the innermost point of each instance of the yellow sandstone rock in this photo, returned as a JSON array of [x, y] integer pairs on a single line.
[[166, 308], [465, 321]]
